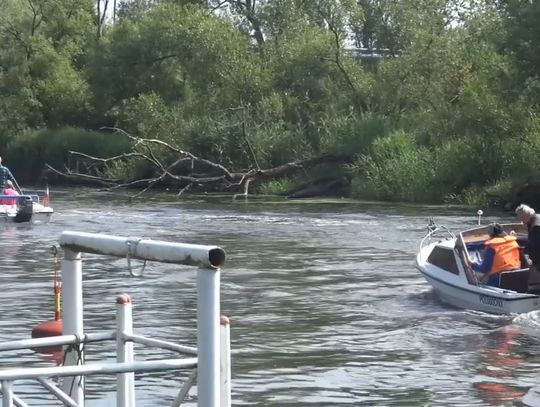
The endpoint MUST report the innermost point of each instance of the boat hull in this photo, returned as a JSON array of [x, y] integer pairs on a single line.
[[483, 298], [454, 289], [39, 215]]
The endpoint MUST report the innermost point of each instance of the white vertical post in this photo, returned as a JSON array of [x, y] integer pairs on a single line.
[[125, 392], [208, 337], [225, 357], [72, 300], [7, 394]]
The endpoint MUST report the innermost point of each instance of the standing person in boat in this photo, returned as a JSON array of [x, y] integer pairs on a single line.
[[531, 219], [5, 175], [502, 254], [9, 191]]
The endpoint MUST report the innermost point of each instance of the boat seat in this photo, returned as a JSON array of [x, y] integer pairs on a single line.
[[475, 246], [515, 280]]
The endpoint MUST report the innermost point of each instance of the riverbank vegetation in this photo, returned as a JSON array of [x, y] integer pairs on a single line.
[[437, 100]]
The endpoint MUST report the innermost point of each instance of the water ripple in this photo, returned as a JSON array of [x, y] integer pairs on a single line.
[[325, 304]]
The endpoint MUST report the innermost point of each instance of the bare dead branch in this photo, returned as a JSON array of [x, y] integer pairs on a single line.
[[108, 160], [76, 175], [186, 188], [139, 141], [178, 174]]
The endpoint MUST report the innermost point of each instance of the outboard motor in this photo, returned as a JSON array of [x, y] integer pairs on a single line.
[[25, 209]]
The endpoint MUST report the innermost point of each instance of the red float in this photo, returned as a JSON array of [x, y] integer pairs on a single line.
[[55, 327], [49, 328]]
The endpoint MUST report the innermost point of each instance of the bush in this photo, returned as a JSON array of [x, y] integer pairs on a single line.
[[276, 186], [27, 154], [457, 165], [397, 170], [353, 134], [522, 154]]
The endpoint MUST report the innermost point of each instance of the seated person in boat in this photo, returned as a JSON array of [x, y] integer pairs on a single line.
[[501, 254], [9, 190], [5, 175]]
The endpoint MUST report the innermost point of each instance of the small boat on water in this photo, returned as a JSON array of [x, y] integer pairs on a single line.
[[25, 209], [444, 260]]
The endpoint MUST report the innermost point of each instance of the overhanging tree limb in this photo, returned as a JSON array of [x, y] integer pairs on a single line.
[[208, 175]]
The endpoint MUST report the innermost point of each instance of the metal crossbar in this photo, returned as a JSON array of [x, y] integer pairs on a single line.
[[161, 344], [56, 341], [96, 368]]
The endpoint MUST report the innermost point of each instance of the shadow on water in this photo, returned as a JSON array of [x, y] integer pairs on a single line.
[[325, 303]]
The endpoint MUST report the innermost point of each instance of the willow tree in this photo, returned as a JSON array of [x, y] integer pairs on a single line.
[[521, 42], [42, 43]]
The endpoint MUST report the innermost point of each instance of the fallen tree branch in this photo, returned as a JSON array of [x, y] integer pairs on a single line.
[[186, 171]]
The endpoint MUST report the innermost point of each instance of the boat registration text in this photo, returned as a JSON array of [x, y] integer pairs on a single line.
[[493, 301]]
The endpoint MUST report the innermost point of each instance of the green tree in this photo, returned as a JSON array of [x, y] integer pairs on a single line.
[[42, 45]]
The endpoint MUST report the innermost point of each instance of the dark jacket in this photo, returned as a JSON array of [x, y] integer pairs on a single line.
[[5, 174], [533, 241]]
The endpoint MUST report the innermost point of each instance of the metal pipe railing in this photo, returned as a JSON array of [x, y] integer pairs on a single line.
[[432, 231], [144, 249], [11, 375], [56, 341], [213, 343], [188, 350], [125, 392], [73, 323], [208, 337], [225, 362], [15, 400], [60, 395]]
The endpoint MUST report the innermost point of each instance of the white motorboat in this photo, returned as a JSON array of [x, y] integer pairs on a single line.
[[444, 260], [25, 209]]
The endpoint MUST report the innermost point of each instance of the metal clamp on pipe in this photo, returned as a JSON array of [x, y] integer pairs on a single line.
[[131, 244]]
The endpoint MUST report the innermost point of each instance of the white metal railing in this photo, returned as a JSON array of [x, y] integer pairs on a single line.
[[433, 230], [211, 367]]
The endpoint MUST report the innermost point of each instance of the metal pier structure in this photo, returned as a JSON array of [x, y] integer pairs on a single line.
[[209, 361]]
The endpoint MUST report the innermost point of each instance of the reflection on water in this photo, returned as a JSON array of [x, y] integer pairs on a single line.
[[325, 304], [11, 236], [499, 366]]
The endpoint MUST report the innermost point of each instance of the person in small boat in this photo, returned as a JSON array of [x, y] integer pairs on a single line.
[[501, 254], [9, 190], [531, 219], [5, 175]]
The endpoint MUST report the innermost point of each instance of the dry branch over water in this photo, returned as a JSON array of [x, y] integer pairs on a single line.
[[184, 171]]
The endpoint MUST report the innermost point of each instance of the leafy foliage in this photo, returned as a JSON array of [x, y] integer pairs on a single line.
[[439, 98], [28, 153], [397, 169]]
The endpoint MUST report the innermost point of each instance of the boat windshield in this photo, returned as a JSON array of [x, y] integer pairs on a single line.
[[461, 248]]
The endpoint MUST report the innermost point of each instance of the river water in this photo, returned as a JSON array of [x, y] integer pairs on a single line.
[[325, 303]]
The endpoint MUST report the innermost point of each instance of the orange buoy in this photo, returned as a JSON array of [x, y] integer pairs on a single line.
[[49, 328], [55, 327], [46, 329]]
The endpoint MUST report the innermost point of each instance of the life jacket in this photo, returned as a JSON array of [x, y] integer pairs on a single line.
[[6, 201], [506, 254]]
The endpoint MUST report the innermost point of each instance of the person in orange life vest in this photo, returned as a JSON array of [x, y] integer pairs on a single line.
[[9, 191], [502, 253]]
